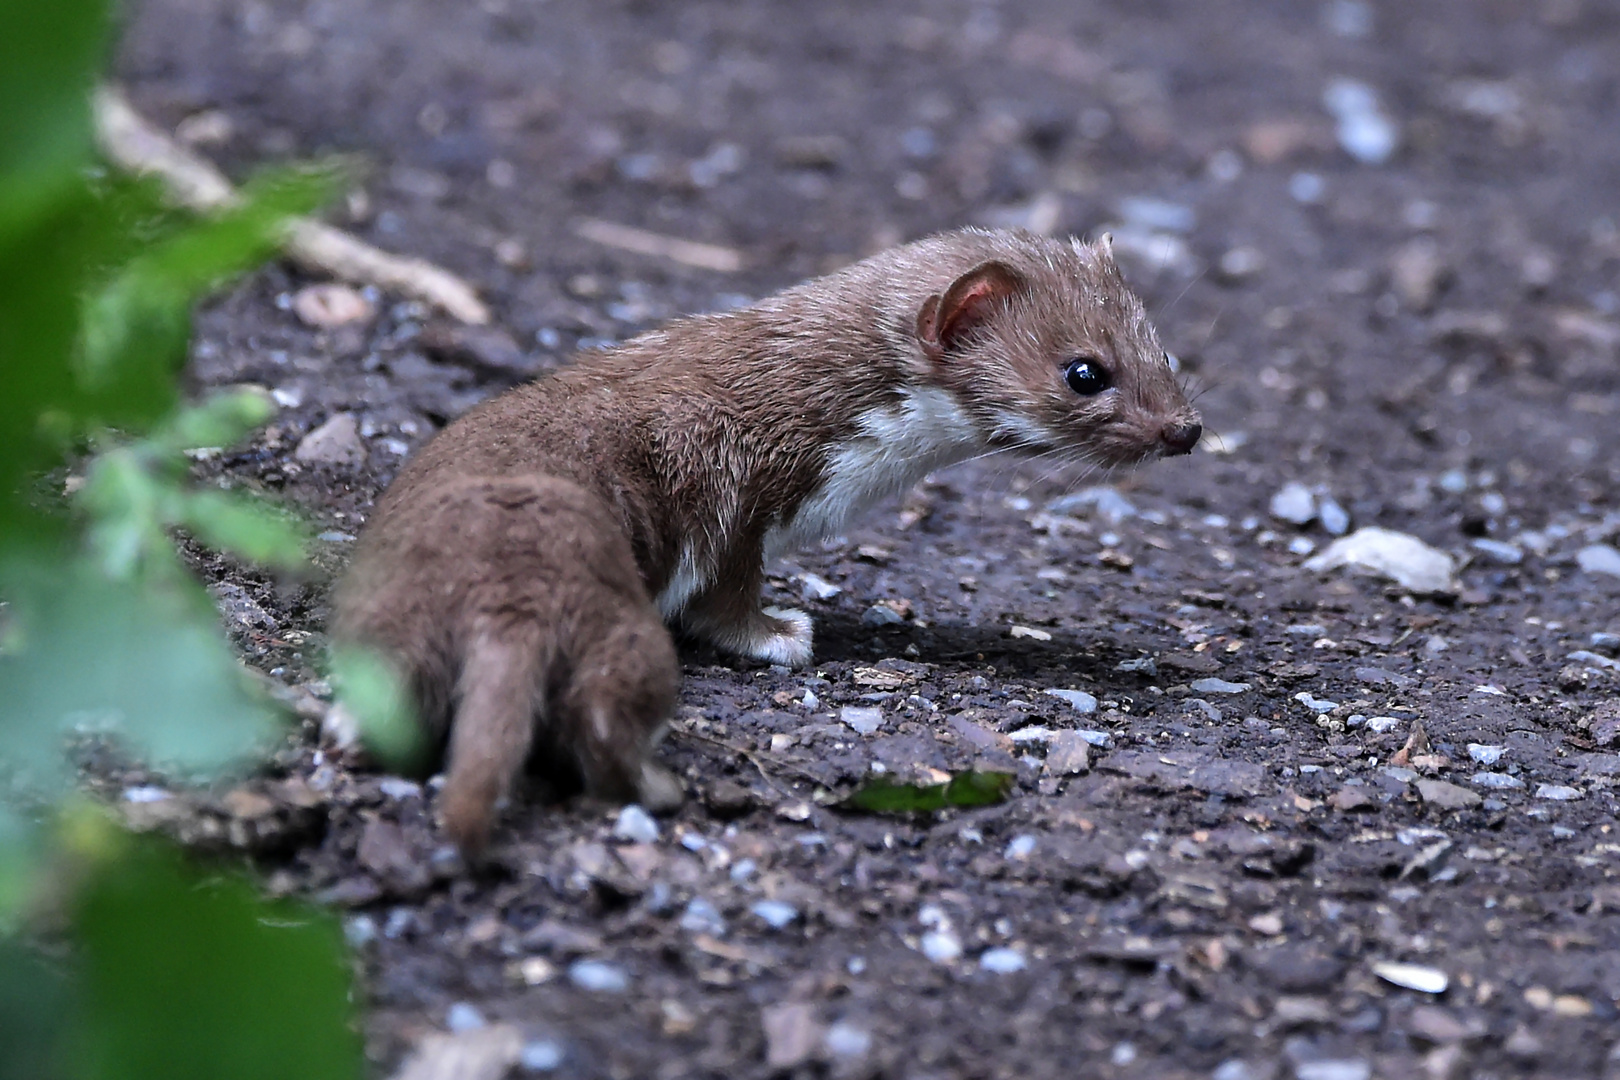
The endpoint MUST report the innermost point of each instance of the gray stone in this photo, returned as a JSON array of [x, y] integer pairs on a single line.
[[636, 825], [1404, 559], [1081, 701], [1599, 559], [1219, 686], [1294, 503], [792, 1034], [336, 442], [774, 913], [1103, 502], [1364, 130], [882, 615], [701, 917], [864, 719], [1447, 796], [846, 1040], [1002, 961], [598, 977], [1485, 753], [464, 1016], [1497, 551], [1558, 792], [1592, 659], [1335, 518], [1068, 755]]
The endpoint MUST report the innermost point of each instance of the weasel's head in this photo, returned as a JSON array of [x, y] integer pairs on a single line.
[[1049, 351]]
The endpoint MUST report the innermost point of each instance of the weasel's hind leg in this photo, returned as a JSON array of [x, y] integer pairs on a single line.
[[620, 696]]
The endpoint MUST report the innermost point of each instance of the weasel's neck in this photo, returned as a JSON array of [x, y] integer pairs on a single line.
[[894, 447]]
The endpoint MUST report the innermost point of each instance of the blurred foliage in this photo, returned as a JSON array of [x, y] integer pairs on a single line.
[[147, 969], [884, 796]]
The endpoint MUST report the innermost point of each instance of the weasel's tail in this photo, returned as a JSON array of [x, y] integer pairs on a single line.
[[498, 700]]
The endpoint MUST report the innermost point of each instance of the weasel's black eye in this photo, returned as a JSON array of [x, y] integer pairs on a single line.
[[1086, 377]]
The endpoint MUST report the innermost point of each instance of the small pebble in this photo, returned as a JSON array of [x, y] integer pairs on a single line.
[[1418, 977], [1021, 847], [1364, 131], [1557, 792], [1102, 740], [1333, 1070], [1486, 754], [1144, 665], [463, 1016], [1497, 780], [1033, 734], [882, 615], [1219, 686], [1497, 551], [541, 1055], [1122, 1054], [1002, 961], [1301, 545], [1079, 700], [1306, 187], [1316, 705], [1104, 502], [775, 913], [864, 719], [598, 977], [845, 1040], [818, 588], [1294, 503], [701, 917], [1335, 518], [1599, 559], [941, 946], [636, 825], [1404, 559]]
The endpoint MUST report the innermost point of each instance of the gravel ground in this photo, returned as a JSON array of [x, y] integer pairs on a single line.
[[1269, 820]]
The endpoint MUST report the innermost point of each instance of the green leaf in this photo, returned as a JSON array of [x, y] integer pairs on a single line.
[[146, 664], [50, 53], [242, 527], [373, 692], [222, 420], [203, 980], [881, 796]]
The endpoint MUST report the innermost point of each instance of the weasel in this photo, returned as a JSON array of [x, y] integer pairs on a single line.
[[521, 566]]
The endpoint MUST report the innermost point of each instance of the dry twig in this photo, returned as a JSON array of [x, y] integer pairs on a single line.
[[134, 144]]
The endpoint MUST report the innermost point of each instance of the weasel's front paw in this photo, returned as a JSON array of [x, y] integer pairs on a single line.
[[789, 641]]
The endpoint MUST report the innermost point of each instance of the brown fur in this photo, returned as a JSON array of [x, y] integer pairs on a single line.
[[667, 461]]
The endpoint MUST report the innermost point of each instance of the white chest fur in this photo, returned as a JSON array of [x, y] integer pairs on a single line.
[[896, 447]]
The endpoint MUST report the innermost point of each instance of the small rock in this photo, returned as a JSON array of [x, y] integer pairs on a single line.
[[1599, 559], [1497, 551], [774, 913], [1418, 271], [728, 799], [1486, 754], [1294, 503], [1002, 961], [1435, 1024], [541, 1055], [845, 1040], [482, 1053], [792, 1034], [1447, 796], [1069, 754], [701, 917], [1102, 740], [1035, 733], [1347, 799], [1315, 704], [636, 825], [1219, 686], [1240, 264], [464, 1016], [1079, 700], [1333, 1070], [1522, 1045], [1334, 518], [818, 588], [1418, 977], [326, 306], [598, 977], [1364, 130], [882, 615], [864, 719], [1028, 632], [1558, 792], [1592, 659], [1404, 559], [1146, 666], [942, 946], [1269, 923], [336, 442], [1103, 502], [1496, 780], [1021, 846]]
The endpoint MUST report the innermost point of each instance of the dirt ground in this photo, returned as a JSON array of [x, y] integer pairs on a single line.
[[1209, 879]]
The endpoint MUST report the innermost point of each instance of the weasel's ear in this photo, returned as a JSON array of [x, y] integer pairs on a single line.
[[972, 298]]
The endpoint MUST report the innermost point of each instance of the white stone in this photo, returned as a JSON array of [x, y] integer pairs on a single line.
[[1428, 980], [636, 825], [1599, 559], [941, 946], [598, 977], [1402, 558], [1294, 503], [1081, 701], [1219, 686], [1486, 754], [1365, 132], [863, 718], [1002, 961]]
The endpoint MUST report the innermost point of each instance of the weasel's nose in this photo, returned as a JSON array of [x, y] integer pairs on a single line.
[[1180, 438]]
